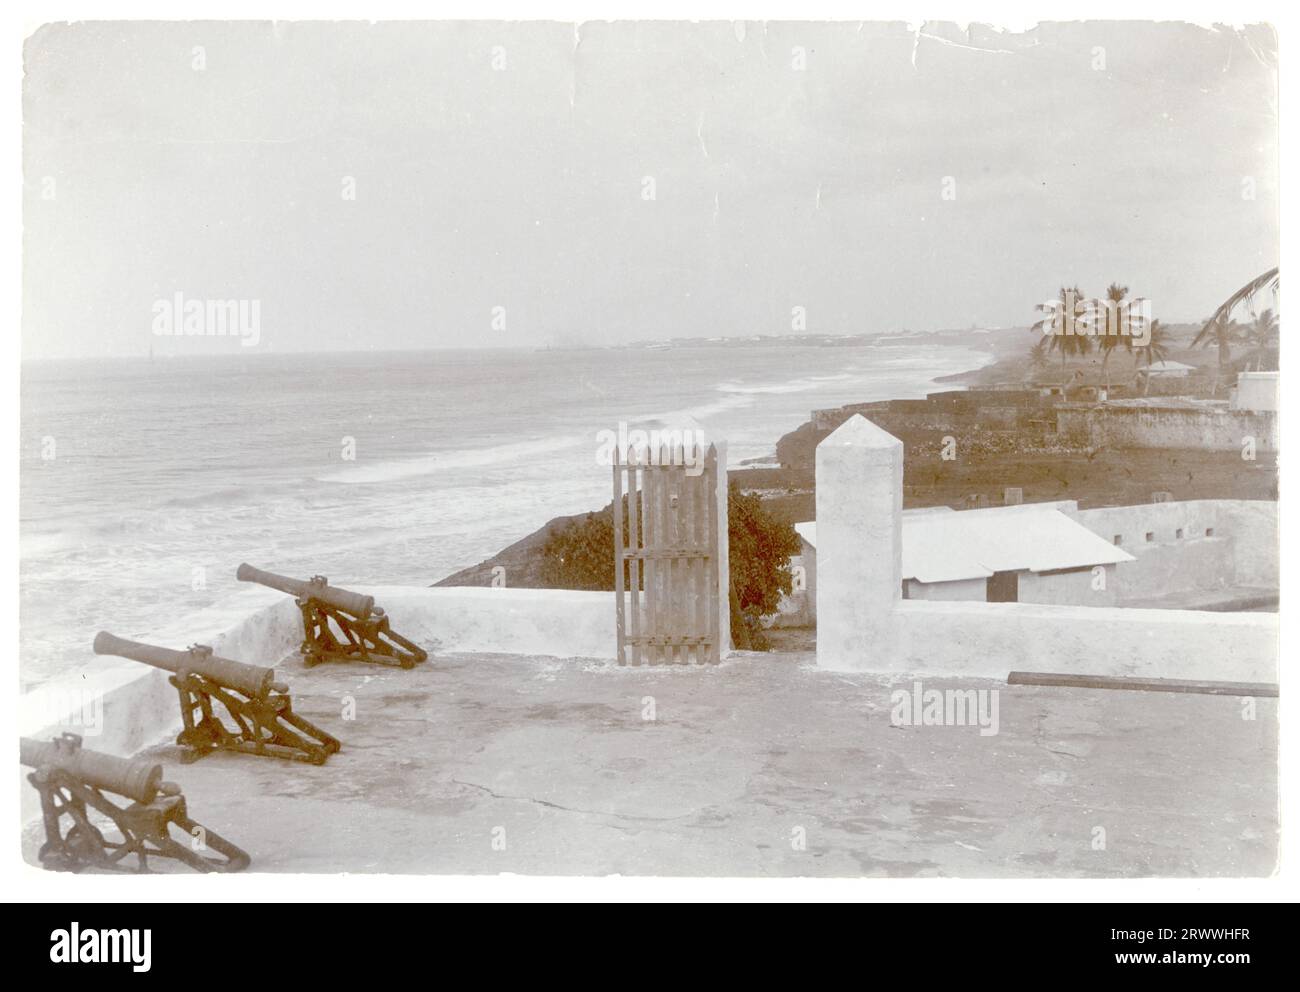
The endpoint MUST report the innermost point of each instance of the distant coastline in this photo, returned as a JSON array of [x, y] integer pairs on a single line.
[[974, 337], [785, 479], [764, 474]]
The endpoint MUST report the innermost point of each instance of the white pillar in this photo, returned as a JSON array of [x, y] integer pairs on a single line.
[[859, 545]]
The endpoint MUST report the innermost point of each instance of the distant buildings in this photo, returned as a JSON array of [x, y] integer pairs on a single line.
[[1256, 392], [1165, 370]]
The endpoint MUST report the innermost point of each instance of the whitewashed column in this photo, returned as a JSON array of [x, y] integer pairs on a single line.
[[859, 545]]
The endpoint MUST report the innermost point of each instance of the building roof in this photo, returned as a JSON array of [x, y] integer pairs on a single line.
[[1167, 367], [973, 544]]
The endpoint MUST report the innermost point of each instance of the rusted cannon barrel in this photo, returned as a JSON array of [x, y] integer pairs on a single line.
[[138, 780], [341, 599], [252, 680]]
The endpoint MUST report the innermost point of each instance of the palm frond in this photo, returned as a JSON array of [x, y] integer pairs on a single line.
[[1271, 278]]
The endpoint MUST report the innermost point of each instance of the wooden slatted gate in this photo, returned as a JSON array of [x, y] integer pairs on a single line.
[[666, 557]]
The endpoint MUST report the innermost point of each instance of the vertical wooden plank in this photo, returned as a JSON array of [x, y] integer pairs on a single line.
[[684, 564], [664, 521], [649, 521], [701, 627], [634, 542], [699, 564], [675, 654], [706, 590], [670, 542], [690, 524], [618, 560], [664, 564], [711, 494], [665, 547]]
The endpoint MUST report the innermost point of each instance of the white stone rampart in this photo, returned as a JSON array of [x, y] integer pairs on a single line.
[[991, 639], [120, 706]]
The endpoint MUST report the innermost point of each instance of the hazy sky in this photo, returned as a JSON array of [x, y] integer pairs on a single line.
[[212, 159]]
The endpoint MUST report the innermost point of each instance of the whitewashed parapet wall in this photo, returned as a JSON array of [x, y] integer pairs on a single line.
[[1200, 544], [863, 624], [120, 706]]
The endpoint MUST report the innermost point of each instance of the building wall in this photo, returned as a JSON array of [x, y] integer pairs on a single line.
[[1072, 588], [1243, 550], [1252, 525], [945, 411], [1151, 427], [1076, 587], [1256, 391], [799, 609], [870, 628], [962, 589]]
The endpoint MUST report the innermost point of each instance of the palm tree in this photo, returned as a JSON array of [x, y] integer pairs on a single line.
[[1063, 304], [1153, 351], [1243, 295], [1070, 345], [1262, 336], [1038, 357], [1058, 325], [1224, 332], [1221, 328], [1108, 342]]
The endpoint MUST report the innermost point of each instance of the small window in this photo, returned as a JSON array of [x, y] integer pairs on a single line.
[[1178, 534], [1119, 539], [1151, 536], [1209, 531]]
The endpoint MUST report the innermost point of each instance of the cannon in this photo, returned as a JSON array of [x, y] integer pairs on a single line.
[[260, 712], [339, 625], [76, 784]]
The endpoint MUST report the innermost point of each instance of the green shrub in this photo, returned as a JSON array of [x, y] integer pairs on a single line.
[[580, 555]]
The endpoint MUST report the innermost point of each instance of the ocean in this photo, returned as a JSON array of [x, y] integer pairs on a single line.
[[143, 484]]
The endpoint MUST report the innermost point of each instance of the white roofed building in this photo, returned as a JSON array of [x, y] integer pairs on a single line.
[[1031, 553], [1166, 370]]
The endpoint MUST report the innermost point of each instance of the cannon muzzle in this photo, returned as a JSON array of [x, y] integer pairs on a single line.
[[340, 599], [138, 780], [252, 680]]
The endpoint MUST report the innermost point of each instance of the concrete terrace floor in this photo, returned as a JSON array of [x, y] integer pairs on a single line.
[[557, 758]]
